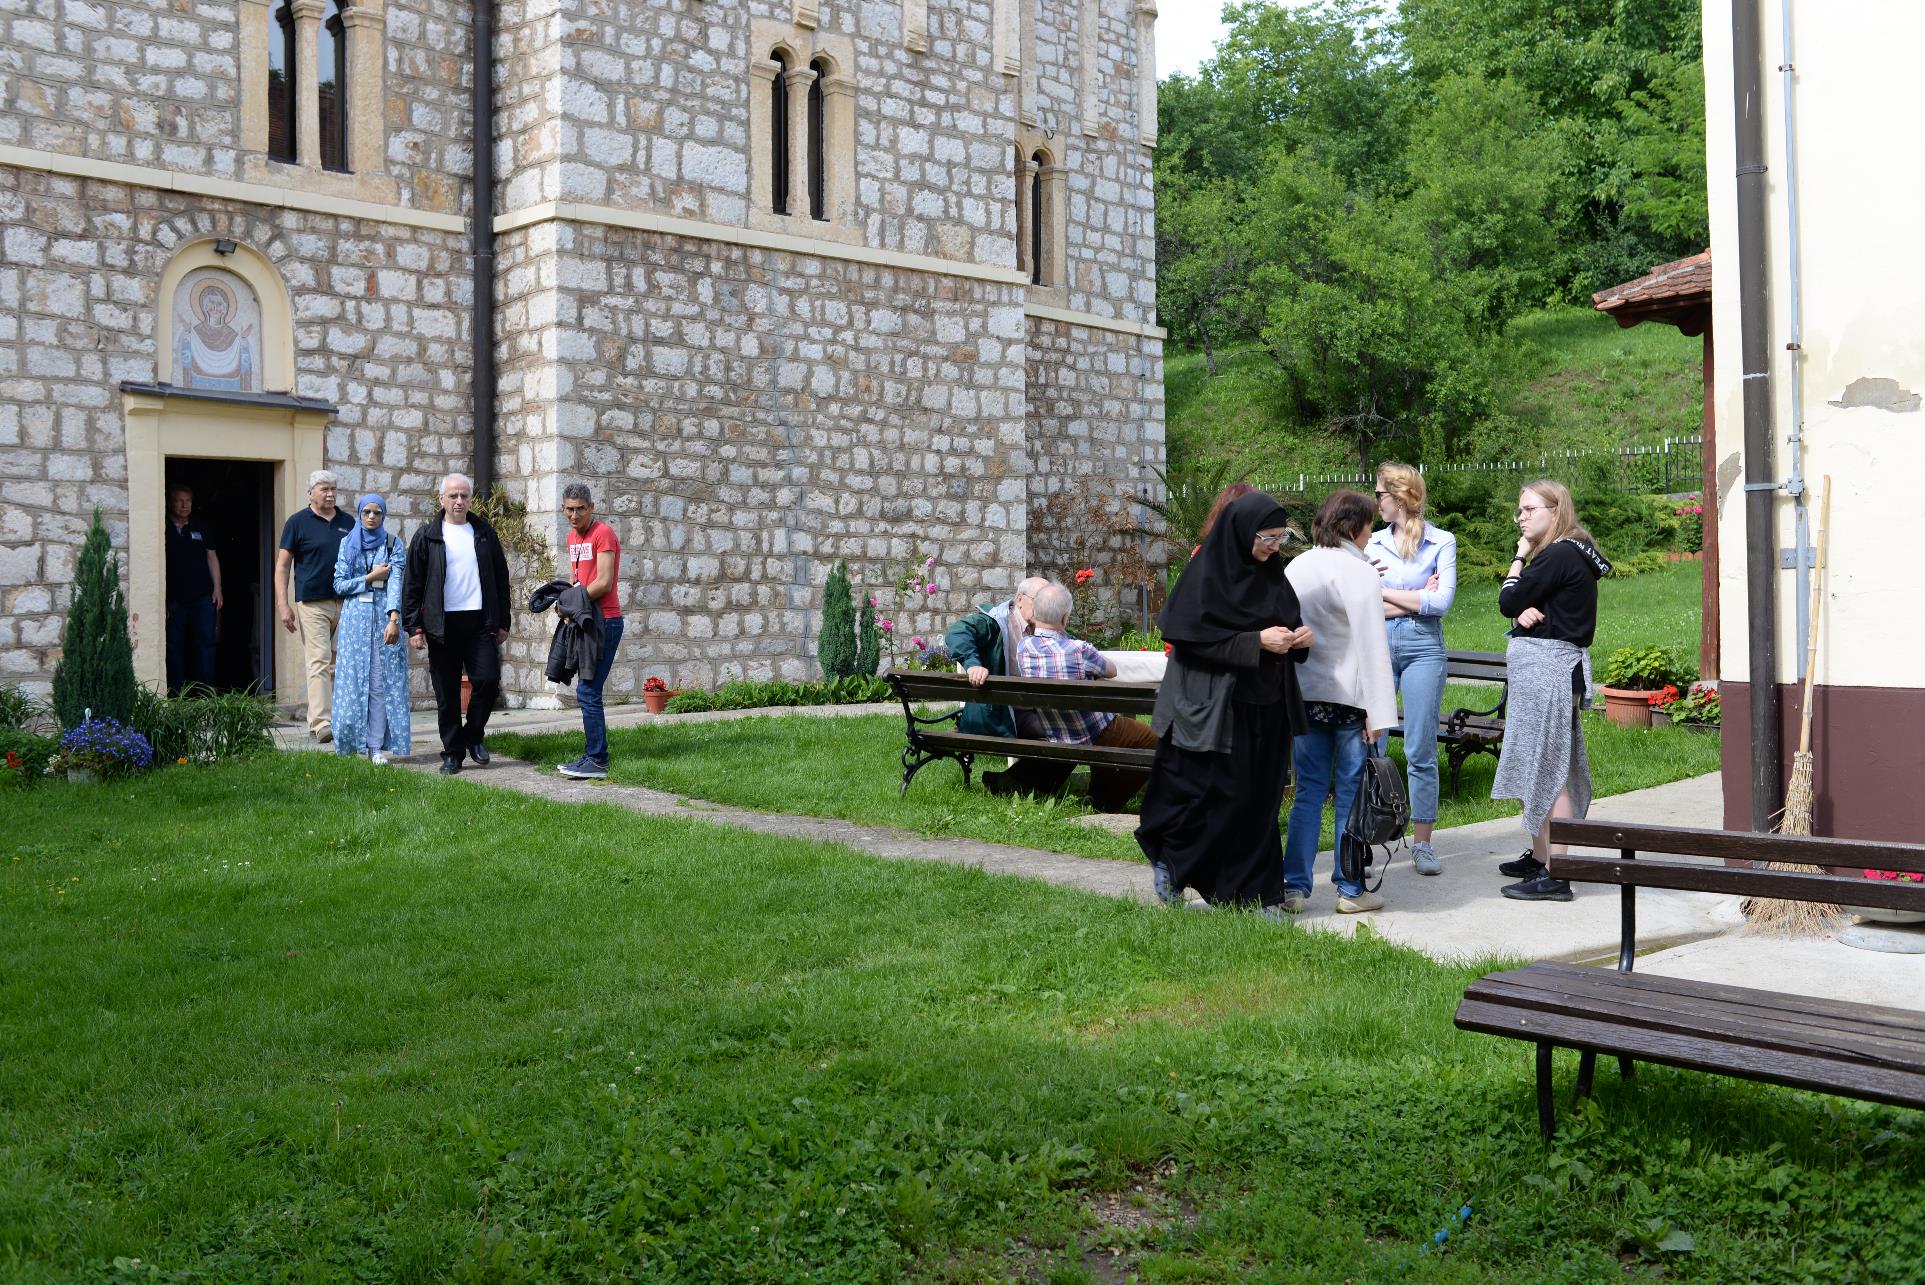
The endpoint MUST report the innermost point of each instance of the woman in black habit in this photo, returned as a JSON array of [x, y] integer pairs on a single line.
[[1225, 712]]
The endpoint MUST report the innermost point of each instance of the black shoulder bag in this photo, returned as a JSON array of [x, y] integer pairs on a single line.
[[1377, 819]]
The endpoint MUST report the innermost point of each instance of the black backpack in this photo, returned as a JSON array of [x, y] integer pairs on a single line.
[[1377, 819]]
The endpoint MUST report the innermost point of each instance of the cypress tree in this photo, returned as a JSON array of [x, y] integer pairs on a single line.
[[96, 669], [835, 646], [868, 641]]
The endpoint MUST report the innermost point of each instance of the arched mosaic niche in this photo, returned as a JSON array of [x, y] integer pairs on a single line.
[[216, 333]]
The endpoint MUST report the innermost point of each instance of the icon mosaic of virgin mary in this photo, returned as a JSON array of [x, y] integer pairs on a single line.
[[211, 354]]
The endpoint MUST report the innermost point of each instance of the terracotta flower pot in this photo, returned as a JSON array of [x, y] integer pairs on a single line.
[[655, 702], [1627, 707]]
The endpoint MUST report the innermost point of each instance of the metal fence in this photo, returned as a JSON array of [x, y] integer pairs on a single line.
[[1674, 466]]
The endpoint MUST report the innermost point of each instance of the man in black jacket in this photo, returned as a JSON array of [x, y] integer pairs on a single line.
[[455, 603]]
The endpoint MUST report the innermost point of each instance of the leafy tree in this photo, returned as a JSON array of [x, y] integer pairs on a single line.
[[836, 644], [96, 669], [868, 640]]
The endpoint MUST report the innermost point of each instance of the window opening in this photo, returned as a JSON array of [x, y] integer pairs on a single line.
[[818, 161], [331, 75], [281, 127], [779, 136]]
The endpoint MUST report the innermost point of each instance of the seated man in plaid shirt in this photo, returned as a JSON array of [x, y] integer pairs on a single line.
[[1049, 652]]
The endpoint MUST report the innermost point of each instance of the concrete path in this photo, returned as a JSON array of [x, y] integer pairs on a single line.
[[290, 734], [1457, 916]]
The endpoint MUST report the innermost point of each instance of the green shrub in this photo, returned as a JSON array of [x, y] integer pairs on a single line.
[[96, 669], [23, 757], [868, 642], [835, 647], [19, 710], [742, 693], [1646, 669], [203, 726]]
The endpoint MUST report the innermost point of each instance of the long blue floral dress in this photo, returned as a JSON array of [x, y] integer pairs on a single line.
[[370, 676]]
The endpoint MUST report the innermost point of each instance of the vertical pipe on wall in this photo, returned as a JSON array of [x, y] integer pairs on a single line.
[[1794, 345], [1761, 570], [481, 221]]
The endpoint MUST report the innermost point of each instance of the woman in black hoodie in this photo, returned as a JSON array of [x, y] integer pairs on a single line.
[[1550, 590]]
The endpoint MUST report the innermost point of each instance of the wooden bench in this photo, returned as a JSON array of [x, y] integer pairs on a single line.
[[1853, 1050], [928, 741], [1466, 731]]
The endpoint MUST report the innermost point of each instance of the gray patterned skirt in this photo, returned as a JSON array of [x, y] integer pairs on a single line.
[[1543, 750]]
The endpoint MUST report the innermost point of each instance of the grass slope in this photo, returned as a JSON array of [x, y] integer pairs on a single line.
[[306, 1019], [1577, 381]]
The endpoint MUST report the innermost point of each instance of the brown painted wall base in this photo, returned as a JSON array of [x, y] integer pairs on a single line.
[[1868, 758]]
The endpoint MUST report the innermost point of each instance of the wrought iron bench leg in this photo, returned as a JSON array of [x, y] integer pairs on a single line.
[[967, 761], [1586, 1067], [1546, 1108], [1456, 755], [912, 763]]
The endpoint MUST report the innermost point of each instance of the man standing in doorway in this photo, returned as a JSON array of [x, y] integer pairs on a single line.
[[193, 594], [309, 541], [455, 604], [594, 556]]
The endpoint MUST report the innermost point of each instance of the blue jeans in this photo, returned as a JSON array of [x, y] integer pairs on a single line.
[[1417, 662], [588, 691], [1318, 755]]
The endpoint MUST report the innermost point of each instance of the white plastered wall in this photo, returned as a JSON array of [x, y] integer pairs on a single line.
[[1861, 189]]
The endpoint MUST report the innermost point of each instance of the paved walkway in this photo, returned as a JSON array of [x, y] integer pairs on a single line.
[[1459, 915]]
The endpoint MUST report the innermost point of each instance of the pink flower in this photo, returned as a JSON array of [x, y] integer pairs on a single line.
[[872, 602], [929, 588], [928, 562], [916, 642], [887, 626]]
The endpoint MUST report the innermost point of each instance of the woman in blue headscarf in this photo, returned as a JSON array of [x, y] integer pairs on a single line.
[[370, 657]]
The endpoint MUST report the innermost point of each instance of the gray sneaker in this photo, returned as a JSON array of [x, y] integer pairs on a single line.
[[1424, 857], [583, 769]]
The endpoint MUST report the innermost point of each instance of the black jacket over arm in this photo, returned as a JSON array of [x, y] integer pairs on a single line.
[[423, 594]]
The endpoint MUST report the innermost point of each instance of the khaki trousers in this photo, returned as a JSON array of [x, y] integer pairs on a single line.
[[1112, 788], [318, 622]]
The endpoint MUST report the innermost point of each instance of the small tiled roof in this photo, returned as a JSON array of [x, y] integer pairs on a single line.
[[1678, 293]]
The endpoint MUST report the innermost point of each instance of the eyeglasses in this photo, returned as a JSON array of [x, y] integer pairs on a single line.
[[1274, 541], [1382, 494], [1525, 510], [371, 511]]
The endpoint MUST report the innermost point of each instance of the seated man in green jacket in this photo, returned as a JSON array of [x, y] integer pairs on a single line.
[[984, 642]]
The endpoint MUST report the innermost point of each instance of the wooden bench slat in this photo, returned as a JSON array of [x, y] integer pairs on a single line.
[[1016, 747], [1810, 850], [1814, 1007], [1104, 695], [1752, 1023], [1879, 1084], [1790, 885]]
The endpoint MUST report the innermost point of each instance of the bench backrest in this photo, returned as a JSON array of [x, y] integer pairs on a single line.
[[1477, 666], [1629, 869], [1107, 695]]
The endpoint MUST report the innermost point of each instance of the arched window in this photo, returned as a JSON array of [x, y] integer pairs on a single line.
[[1022, 210], [779, 135], [331, 77], [818, 159], [282, 129], [1036, 222]]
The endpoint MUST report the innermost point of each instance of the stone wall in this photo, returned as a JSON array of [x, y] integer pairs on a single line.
[[380, 328], [747, 417]]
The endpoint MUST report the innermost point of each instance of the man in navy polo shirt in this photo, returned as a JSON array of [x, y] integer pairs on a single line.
[[193, 594], [309, 541]]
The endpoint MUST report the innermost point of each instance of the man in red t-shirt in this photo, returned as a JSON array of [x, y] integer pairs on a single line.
[[594, 556]]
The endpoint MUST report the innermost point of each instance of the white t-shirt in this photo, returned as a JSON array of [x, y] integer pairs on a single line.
[[461, 587]]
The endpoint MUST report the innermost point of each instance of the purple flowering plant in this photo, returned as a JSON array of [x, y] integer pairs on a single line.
[[103, 746], [908, 616]]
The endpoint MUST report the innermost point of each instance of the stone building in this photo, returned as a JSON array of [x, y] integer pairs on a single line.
[[785, 281]]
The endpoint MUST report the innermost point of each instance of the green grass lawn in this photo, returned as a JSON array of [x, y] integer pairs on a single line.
[[850, 768], [306, 1019], [1659, 608]]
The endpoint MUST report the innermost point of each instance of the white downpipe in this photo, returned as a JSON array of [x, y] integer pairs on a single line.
[[1794, 350]]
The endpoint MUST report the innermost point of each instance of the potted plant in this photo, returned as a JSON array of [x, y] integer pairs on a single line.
[[99, 748], [1631, 676], [1661, 702], [1700, 710], [655, 694]]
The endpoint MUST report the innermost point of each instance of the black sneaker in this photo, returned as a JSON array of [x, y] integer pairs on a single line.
[[1542, 888], [479, 753], [1525, 867]]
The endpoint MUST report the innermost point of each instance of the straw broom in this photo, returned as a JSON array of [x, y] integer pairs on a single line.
[[1801, 918]]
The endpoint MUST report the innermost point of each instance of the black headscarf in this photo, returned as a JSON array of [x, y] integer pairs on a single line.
[[1225, 591]]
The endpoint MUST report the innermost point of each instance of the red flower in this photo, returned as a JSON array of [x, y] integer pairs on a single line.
[[1662, 697], [1086, 575], [654, 683]]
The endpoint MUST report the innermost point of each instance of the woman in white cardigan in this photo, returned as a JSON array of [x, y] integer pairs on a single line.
[[1349, 695]]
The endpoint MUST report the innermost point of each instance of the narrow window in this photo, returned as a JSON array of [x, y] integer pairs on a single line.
[[331, 75], [818, 162], [1036, 219], [1022, 213], [281, 127], [779, 137]]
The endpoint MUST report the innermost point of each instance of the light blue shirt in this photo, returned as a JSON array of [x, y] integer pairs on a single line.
[[1436, 556]]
